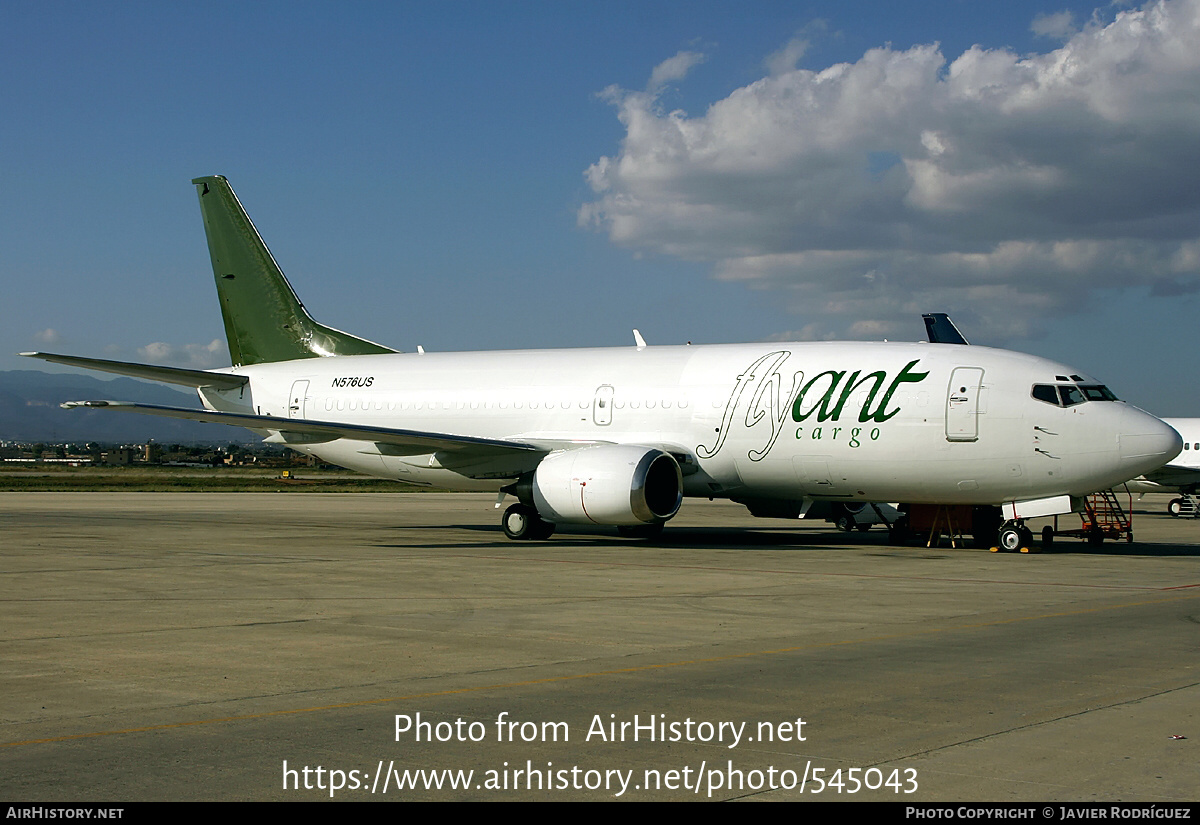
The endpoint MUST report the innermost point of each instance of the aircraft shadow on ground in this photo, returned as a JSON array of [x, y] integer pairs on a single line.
[[722, 538], [1122, 548], [690, 538]]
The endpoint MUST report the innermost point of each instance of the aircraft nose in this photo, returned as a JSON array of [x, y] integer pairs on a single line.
[[1146, 443]]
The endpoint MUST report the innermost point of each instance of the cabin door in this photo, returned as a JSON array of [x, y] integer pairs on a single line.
[[297, 399], [602, 405], [962, 404]]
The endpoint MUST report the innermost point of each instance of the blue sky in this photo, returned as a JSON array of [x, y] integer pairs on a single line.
[[509, 175]]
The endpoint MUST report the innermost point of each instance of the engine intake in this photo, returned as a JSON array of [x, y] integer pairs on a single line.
[[608, 484]]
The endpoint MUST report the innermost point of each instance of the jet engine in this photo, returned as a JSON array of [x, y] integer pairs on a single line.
[[611, 484]]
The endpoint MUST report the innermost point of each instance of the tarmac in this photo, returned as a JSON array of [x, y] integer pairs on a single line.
[[307, 646]]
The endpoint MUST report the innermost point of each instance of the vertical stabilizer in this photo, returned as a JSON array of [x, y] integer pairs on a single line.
[[941, 329], [264, 320]]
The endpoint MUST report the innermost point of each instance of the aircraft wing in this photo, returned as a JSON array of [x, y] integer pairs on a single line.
[[169, 375], [1175, 475], [302, 431]]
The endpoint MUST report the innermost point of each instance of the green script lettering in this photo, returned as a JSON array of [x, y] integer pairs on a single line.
[[823, 401], [906, 376], [828, 405]]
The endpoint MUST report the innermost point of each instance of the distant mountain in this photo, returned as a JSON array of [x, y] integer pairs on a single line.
[[29, 411]]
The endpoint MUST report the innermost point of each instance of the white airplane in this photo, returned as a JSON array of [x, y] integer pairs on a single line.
[[619, 436], [1181, 475]]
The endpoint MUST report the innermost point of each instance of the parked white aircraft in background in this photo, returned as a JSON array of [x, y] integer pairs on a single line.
[[619, 436], [1181, 475]]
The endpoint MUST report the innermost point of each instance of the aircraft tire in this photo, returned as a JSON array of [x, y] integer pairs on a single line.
[[1175, 507], [1047, 537], [862, 528], [1010, 538], [845, 523], [522, 523]]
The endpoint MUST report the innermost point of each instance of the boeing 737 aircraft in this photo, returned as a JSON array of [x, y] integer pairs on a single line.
[[1182, 475], [619, 436]]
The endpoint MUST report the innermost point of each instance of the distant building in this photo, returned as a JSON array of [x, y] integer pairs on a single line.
[[117, 457]]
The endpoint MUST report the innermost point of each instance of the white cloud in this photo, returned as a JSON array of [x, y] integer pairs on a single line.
[[191, 356], [48, 336], [673, 69], [1003, 186], [1059, 25], [785, 59]]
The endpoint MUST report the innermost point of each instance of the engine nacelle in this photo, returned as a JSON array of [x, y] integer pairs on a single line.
[[609, 484]]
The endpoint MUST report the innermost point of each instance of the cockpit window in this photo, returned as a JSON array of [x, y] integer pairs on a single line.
[[1070, 394], [1045, 392]]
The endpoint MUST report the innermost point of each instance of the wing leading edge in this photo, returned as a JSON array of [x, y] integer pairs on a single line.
[[389, 441], [1174, 475]]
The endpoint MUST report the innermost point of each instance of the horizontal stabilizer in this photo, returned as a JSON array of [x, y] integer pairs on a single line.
[[170, 375], [418, 442]]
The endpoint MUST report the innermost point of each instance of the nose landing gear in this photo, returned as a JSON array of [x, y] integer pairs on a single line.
[[1014, 537]]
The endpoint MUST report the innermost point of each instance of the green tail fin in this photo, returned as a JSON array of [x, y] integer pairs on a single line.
[[264, 320]]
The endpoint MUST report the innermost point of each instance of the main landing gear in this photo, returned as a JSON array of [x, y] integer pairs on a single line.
[[847, 524], [1014, 537], [522, 523], [1183, 507]]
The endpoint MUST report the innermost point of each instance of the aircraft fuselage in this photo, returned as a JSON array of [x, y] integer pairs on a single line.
[[837, 420]]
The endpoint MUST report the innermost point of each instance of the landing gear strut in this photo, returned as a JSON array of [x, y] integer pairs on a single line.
[[522, 523]]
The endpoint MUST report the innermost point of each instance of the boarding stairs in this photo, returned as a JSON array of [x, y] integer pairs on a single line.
[[1104, 518]]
